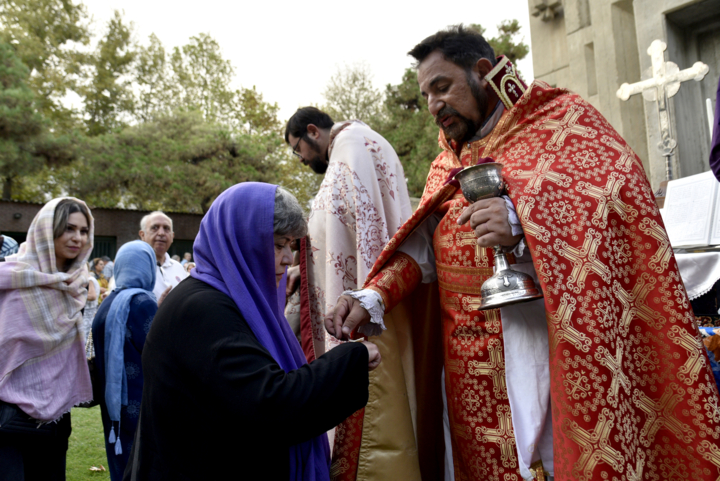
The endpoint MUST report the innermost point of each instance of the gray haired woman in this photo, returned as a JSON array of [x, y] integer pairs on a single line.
[[220, 346]]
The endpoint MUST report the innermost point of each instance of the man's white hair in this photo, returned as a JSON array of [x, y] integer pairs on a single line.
[[143, 221]]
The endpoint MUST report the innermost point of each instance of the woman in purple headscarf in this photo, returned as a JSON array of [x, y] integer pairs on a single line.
[[228, 393]]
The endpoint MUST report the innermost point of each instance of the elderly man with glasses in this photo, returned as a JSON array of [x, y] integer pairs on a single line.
[[362, 202]]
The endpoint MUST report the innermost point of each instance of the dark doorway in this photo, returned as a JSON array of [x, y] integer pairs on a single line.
[[19, 237], [180, 247], [104, 246]]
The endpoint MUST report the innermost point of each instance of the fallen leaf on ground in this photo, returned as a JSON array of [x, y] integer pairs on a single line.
[[95, 468]]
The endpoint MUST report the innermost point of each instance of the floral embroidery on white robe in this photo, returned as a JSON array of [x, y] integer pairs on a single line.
[[362, 202]]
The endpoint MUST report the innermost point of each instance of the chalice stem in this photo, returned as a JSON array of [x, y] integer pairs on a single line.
[[501, 262]]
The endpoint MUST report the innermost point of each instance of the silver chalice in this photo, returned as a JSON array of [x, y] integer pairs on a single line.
[[506, 286]]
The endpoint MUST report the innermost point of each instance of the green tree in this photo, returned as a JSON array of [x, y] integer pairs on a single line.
[[506, 43], [411, 130], [297, 178], [201, 79], [48, 36], [151, 81], [26, 147], [258, 119], [177, 162], [194, 135], [108, 93], [350, 94], [254, 115]]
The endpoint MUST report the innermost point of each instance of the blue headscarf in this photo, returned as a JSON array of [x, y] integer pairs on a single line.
[[234, 254], [134, 274]]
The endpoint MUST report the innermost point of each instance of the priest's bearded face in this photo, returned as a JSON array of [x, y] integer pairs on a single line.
[[317, 157], [312, 153], [455, 97]]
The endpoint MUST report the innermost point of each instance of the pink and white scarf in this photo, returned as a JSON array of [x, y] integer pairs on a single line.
[[43, 368]]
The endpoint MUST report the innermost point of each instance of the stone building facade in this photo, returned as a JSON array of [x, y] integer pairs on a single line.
[[593, 46], [113, 227]]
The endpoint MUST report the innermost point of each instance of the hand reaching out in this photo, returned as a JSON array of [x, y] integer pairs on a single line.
[[293, 280], [342, 319]]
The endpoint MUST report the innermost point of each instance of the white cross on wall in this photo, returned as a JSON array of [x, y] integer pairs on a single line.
[[664, 83]]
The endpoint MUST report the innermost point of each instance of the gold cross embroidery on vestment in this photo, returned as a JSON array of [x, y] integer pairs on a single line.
[[660, 415], [584, 260], [566, 126], [608, 198], [540, 173], [594, 445]]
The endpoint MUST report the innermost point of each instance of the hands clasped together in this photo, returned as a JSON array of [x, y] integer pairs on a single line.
[[487, 217]]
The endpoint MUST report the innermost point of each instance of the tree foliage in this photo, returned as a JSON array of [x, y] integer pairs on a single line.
[[411, 130], [168, 129], [160, 131], [254, 115], [201, 78], [506, 42], [152, 95], [107, 94], [26, 147], [297, 178], [177, 162], [350, 94], [48, 37]]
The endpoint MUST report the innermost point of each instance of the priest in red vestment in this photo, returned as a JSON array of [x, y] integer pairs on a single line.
[[603, 379]]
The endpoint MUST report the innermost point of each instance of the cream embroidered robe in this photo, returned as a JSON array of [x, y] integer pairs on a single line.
[[362, 202]]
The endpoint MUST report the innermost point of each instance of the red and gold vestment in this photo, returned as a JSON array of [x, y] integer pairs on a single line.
[[632, 393]]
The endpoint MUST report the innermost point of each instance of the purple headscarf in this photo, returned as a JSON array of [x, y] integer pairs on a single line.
[[234, 254], [715, 146]]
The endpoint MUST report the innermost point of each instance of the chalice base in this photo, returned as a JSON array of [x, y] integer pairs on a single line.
[[508, 287]]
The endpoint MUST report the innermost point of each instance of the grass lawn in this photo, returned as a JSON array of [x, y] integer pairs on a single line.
[[87, 447]]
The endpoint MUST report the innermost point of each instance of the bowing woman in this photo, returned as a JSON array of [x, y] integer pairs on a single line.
[[43, 370], [228, 393]]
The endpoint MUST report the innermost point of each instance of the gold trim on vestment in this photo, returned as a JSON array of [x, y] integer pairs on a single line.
[[499, 130], [471, 271], [537, 471], [462, 280], [385, 299]]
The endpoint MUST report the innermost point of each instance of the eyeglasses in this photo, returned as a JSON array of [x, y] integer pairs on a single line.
[[294, 149]]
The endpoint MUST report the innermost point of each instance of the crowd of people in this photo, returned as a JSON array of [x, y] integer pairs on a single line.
[[253, 361], [222, 341]]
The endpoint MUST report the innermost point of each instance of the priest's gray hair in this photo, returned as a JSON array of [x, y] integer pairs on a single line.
[[289, 218], [144, 220]]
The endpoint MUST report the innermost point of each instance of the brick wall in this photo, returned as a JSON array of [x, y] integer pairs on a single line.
[[121, 224]]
